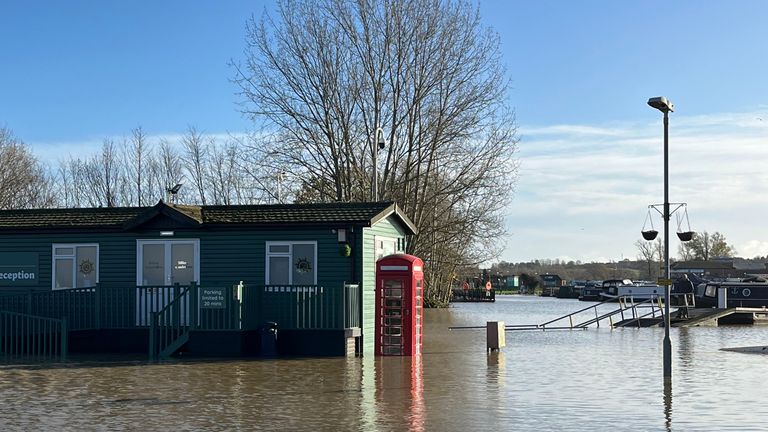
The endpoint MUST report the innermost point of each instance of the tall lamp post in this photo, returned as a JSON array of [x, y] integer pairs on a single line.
[[665, 106], [378, 143]]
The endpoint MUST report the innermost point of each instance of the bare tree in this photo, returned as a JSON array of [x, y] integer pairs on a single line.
[[136, 154], [196, 150], [325, 74], [24, 182], [170, 167]]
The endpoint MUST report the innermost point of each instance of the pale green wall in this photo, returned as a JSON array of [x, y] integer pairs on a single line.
[[386, 228]]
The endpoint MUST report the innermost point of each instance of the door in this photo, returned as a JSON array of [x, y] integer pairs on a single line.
[[395, 319], [160, 265]]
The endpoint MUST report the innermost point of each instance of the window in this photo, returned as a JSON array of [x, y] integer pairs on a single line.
[[385, 246], [291, 263], [75, 265]]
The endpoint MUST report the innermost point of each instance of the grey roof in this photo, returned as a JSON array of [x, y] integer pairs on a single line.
[[365, 213]]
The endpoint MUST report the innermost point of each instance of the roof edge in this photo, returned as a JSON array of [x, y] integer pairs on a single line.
[[397, 211]]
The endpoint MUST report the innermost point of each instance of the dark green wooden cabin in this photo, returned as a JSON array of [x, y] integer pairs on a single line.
[[200, 280]]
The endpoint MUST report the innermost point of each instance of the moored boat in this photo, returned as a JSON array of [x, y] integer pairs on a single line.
[[638, 291], [751, 292]]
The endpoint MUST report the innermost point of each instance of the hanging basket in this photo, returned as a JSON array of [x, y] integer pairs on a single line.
[[345, 250], [648, 234], [687, 235]]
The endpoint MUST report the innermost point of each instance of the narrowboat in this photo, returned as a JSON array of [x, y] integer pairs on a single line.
[[751, 292]]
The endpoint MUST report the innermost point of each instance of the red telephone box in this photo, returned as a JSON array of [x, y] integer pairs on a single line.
[[399, 305]]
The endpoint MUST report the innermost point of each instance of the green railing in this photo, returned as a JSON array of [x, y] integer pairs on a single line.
[[169, 327], [305, 307], [175, 309], [23, 335], [77, 305]]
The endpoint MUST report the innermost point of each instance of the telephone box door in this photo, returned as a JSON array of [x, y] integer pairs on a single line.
[[399, 281]]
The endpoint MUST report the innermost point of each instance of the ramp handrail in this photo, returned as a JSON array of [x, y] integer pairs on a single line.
[[622, 307], [570, 315], [170, 323]]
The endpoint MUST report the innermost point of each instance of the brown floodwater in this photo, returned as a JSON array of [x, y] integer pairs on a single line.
[[594, 380]]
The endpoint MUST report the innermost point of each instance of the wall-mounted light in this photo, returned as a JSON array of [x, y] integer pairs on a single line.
[[166, 233], [342, 235]]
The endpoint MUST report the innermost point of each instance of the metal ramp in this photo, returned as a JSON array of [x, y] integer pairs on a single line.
[[627, 313]]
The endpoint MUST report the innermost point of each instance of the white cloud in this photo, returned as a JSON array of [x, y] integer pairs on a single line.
[[583, 190], [753, 248]]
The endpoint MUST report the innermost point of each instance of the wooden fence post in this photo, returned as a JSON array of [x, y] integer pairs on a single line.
[[64, 339], [97, 301], [152, 335]]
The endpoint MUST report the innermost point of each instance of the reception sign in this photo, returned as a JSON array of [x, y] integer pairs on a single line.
[[19, 269]]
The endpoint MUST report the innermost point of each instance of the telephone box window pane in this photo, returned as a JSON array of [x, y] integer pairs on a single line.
[[389, 284], [394, 303], [64, 274], [393, 292], [278, 270], [393, 321]]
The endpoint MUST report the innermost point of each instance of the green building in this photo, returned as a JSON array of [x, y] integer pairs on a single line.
[[201, 280]]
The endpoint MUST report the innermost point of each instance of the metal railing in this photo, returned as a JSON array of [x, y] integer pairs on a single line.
[[626, 305], [23, 335]]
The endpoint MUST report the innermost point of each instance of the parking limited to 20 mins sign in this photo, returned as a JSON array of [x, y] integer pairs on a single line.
[[212, 298]]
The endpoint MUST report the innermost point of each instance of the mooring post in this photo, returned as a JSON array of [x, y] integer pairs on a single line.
[[494, 335]]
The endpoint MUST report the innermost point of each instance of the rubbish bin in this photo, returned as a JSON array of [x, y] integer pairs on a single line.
[[268, 333]]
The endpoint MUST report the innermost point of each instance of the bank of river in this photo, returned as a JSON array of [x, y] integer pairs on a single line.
[[599, 379]]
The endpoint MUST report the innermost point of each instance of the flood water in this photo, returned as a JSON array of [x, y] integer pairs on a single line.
[[593, 380]]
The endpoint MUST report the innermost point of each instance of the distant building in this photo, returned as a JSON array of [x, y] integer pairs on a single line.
[[707, 269]]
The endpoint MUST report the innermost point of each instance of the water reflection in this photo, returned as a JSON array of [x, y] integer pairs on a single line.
[[397, 377], [668, 404], [599, 379]]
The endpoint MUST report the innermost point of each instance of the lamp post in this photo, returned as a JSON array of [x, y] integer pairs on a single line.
[[665, 106], [378, 143]]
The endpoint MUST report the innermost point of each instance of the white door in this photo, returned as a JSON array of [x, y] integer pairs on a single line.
[[159, 265]]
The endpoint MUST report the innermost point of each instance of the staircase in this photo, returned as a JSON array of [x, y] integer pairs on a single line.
[[169, 328]]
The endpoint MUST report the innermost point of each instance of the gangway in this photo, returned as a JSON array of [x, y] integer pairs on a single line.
[[631, 313]]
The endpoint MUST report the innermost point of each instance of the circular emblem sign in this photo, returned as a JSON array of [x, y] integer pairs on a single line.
[[86, 267]]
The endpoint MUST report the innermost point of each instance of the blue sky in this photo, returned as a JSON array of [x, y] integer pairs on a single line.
[[75, 72]]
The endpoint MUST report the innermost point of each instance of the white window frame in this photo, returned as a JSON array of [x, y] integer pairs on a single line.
[[73, 257], [289, 255], [377, 239], [167, 256]]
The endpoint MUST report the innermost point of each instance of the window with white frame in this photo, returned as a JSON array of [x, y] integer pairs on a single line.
[[75, 265], [291, 263], [385, 246]]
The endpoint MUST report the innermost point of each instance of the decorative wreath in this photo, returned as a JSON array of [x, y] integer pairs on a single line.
[[87, 267], [303, 265]]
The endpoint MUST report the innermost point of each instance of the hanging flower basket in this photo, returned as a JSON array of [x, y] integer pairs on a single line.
[[649, 235], [345, 250], [685, 236]]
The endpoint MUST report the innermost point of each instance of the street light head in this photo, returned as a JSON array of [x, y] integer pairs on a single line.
[[662, 104], [380, 139]]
